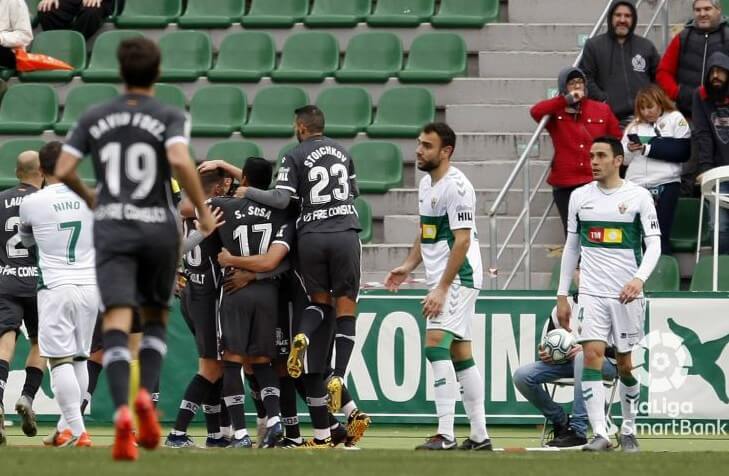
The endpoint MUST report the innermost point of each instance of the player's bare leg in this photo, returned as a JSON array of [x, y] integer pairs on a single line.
[[34, 365], [593, 392], [437, 351], [7, 349], [234, 397], [472, 389], [629, 389], [151, 353]]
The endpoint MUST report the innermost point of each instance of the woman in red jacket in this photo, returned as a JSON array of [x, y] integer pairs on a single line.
[[575, 121]]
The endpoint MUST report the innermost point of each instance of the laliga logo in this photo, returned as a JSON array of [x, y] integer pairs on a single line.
[[666, 368]]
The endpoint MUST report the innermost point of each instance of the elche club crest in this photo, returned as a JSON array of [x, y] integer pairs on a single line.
[[622, 208]]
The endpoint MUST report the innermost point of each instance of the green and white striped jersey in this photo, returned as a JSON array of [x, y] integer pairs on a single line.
[[447, 205], [611, 226]]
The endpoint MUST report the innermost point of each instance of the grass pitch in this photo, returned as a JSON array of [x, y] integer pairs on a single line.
[[386, 451]]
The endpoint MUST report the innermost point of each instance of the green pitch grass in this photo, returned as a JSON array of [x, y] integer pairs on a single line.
[[386, 451]]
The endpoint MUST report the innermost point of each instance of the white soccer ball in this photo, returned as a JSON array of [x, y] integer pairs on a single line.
[[557, 343]]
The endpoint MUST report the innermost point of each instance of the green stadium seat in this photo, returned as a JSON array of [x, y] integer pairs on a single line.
[[275, 13], [465, 13], [244, 56], [402, 112], [401, 13], [665, 276], [170, 95], [283, 151], [28, 109], [149, 13], [186, 55], [6, 73], [65, 45], [103, 66], [435, 58], [702, 280], [686, 226], [378, 166], [308, 56], [218, 110], [79, 99], [554, 279], [212, 13], [338, 13], [348, 110], [9, 152], [364, 212], [234, 151], [273, 109], [371, 57]]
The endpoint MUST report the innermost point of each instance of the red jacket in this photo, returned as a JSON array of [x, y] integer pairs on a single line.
[[572, 137]]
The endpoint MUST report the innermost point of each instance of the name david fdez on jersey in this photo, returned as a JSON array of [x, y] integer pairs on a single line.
[[122, 119]]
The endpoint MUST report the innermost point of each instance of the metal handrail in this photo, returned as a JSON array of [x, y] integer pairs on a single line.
[[494, 252]]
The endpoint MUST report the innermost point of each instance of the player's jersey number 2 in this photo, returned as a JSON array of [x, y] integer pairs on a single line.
[[11, 246], [322, 176], [140, 167]]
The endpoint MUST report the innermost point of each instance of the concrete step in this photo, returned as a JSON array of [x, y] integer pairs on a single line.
[[584, 11], [479, 146], [493, 174], [490, 117], [540, 281], [404, 228], [525, 64], [399, 201]]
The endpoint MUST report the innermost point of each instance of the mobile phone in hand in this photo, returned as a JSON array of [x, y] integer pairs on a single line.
[[634, 138]]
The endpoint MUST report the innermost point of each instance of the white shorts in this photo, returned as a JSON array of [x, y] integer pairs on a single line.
[[457, 314], [66, 318], [609, 320]]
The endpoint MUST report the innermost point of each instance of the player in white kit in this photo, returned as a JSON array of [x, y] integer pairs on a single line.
[[610, 219], [447, 245], [60, 224]]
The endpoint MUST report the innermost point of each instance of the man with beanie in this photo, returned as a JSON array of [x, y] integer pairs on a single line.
[[574, 122], [618, 63]]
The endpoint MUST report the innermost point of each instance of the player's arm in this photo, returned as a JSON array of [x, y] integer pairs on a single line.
[[65, 171], [398, 275], [25, 230], [652, 240], [185, 173], [256, 263], [277, 198], [229, 169], [570, 259]]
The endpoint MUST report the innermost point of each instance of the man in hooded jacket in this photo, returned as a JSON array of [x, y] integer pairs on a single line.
[[618, 63]]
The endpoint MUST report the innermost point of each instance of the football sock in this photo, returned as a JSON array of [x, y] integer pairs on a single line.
[[212, 408], [33, 379], [312, 317], [289, 417], [270, 392], [4, 372], [333, 422], [317, 400], [116, 362], [348, 403], [629, 389], [473, 397], [226, 427], [94, 370], [82, 378], [233, 394], [151, 352], [155, 392], [191, 401], [68, 394], [344, 343], [444, 388], [300, 387], [256, 395], [594, 394]]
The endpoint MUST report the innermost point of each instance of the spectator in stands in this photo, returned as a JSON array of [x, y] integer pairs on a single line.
[[15, 30], [84, 16], [575, 121], [711, 131], [618, 63], [656, 143]]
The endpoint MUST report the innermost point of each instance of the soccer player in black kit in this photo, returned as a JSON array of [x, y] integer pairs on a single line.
[[135, 143]]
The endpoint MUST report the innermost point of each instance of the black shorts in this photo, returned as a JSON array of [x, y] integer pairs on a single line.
[[292, 300], [248, 320], [14, 311], [199, 311], [136, 265], [97, 342], [330, 262]]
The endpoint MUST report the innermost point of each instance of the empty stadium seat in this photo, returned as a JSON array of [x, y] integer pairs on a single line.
[[272, 113], [665, 276], [404, 13], [234, 151], [9, 152], [104, 66], [435, 58], [212, 13], [149, 13], [465, 13], [65, 45], [364, 213], [371, 57], [186, 55], [218, 110], [28, 109], [338, 13], [244, 56], [6, 73], [378, 165], [275, 13], [702, 280], [686, 226], [348, 110], [170, 95], [79, 99], [402, 112], [308, 56]]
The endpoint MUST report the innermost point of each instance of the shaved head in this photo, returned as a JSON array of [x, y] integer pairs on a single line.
[[28, 166]]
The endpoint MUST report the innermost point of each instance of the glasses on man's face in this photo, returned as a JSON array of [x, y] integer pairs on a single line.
[[576, 82]]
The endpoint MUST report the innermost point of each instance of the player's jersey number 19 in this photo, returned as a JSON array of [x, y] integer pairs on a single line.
[[140, 167]]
